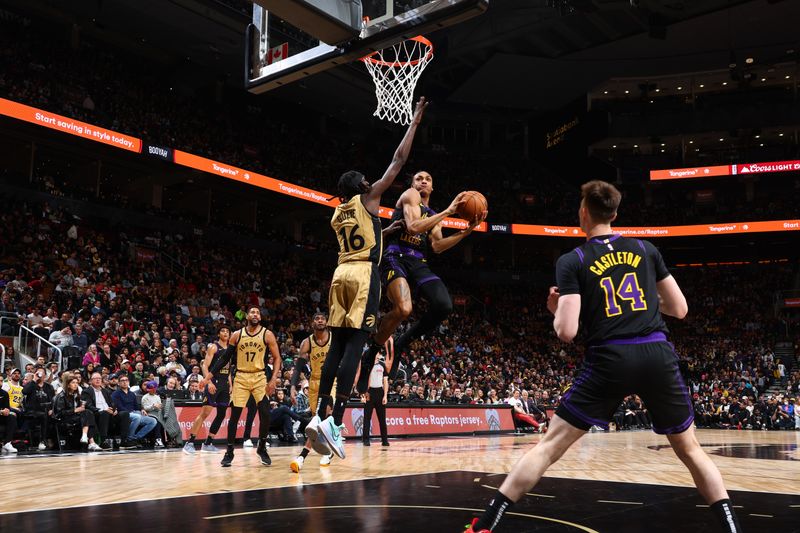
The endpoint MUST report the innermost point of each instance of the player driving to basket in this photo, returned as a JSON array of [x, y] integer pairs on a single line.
[[356, 287]]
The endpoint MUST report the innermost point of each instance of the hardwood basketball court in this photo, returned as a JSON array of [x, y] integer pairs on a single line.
[[626, 482]]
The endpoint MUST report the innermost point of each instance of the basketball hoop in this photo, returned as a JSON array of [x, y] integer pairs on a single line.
[[395, 71]]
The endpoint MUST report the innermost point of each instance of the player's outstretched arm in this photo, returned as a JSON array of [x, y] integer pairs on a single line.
[[372, 199], [671, 298]]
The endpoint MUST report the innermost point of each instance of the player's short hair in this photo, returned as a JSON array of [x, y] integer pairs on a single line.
[[415, 174], [601, 199], [323, 315], [223, 326], [349, 184]]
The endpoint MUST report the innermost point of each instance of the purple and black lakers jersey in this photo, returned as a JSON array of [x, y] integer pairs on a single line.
[[220, 353], [616, 278], [404, 242]]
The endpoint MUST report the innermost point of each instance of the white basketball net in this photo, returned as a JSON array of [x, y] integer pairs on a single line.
[[395, 72]]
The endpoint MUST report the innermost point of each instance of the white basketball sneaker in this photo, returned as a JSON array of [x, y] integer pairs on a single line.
[[312, 432], [313, 428], [325, 460], [9, 448], [297, 464], [333, 436]]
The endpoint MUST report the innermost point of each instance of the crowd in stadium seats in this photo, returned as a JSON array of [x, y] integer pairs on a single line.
[[111, 88]]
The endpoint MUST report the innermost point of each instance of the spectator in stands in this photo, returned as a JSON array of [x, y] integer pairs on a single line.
[[113, 382], [530, 407], [91, 357], [107, 358], [70, 410], [467, 396], [86, 373], [520, 414], [784, 415], [80, 340], [157, 350], [13, 387], [302, 406], [61, 338], [63, 322], [492, 397], [193, 391], [138, 375], [282, 417], [52, 371], [99, 403], [163, 409], [35, 319], [48, 319], [125, 401], [8, 420], [38, 404], [412, 395], [196, 345]]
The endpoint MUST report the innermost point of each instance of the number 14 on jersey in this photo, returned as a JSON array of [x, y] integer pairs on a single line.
[[628, 291]]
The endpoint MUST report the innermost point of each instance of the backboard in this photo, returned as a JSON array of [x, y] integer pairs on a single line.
[[278, 53]]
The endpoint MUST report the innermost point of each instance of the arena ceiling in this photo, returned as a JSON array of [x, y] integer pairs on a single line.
[[520, 58]]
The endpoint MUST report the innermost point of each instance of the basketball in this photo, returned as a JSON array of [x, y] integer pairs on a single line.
[[474, 205]]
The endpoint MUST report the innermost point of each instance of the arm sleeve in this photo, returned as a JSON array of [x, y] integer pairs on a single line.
[[299, 364], [567, 269], [267, 355], [222, 361], [657, 260]]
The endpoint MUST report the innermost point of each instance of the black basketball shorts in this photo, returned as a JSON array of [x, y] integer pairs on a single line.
[[222, 398], [646, 366]]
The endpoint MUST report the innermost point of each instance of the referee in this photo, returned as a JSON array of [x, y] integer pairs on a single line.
[[376, 399]]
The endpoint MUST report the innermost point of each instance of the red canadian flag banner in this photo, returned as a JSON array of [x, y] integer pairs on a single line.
[[278, 53]]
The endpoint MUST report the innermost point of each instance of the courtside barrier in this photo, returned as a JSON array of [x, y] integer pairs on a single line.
[[401, 420]]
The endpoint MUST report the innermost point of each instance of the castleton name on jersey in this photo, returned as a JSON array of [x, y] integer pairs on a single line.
[[611, 259]]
